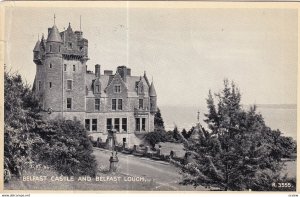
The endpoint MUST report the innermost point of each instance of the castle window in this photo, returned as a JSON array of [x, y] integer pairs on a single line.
[[97, 104], [141, 103], [65, 67], [108, 123], [50, 65], [50, 84], [117, 89], [117, 124], [58, 48], [120, 104], [124, 124], [69, 103], [74, 68], [69, 84], [142, 89], [70, 46], [97, 88], [50, 48], [40, 85], [87, 124], [143, 124], [137, 124], [81, 48], [94, 124], [114, 104]]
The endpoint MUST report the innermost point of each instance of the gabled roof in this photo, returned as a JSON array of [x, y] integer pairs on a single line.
[[54, 35], [37, 46], [130, 83], [115, 77]]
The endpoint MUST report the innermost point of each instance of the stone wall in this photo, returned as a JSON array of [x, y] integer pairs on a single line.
[[131, 138], [78, 91], [53, 74]]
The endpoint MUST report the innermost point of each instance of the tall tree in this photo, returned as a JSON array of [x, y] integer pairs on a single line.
[[240, 151], [21, 120], [158, 121], [185, 133]]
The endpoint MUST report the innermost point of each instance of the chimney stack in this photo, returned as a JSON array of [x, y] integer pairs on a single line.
[[128, 71], [122, 70], [108, 72], [97, 70]]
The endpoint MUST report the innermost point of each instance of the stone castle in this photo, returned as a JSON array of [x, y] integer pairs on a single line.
[[101, 101]]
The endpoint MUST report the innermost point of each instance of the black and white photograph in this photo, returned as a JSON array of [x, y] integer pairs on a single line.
[[149, 96]]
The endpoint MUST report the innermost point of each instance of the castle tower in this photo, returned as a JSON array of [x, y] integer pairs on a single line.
[[61, 68], [53, 71], [153, 98]]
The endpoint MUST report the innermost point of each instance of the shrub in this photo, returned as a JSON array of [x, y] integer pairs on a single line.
[[68, 148], [21, 119], [155, 137]]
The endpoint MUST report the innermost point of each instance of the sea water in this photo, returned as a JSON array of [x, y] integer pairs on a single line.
[[280, 117]]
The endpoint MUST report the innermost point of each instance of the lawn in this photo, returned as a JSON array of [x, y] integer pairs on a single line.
[[166, 147]]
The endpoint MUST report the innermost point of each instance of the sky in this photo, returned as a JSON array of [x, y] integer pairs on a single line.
[[185, 51]]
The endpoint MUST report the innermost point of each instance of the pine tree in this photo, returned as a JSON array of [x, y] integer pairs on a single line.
[[176, 135], [158, 121], [185, 134], [239, 151]]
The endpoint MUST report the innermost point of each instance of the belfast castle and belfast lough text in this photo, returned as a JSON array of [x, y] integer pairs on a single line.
[[100, 100]]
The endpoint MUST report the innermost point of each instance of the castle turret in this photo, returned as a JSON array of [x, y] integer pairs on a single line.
[[36, 53], [54, 35], [54, 41], [37, 46], [51, 71], [153, 98]]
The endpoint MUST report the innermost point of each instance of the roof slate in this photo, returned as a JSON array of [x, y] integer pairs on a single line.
[[105, 80], [54, 35]]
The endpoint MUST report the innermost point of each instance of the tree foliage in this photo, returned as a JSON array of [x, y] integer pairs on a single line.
[[30, 141], [21, 119], [68, 148], [176, 135], [158, 121], [159, 134], [156, 137], [186, 134], [240, 152]]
